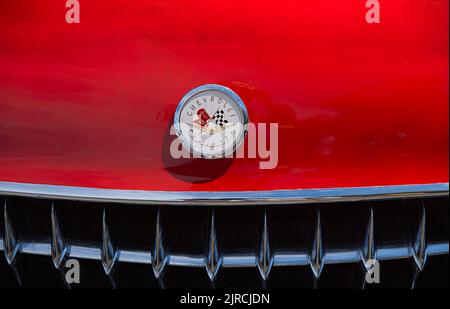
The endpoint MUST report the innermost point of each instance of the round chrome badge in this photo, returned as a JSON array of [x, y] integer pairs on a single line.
[[211, 121]]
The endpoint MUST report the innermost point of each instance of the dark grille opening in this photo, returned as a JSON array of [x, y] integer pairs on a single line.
[[296, 246]]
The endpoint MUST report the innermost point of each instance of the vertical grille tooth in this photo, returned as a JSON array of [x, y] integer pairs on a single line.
[[59, 248], [109, 254], [369, 249], [317, 258], [415, 280], [159, 258], [10, 243], [213, 260], [265, 258], [419, 247]]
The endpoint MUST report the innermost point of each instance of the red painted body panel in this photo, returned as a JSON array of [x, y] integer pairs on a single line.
[[358, 104]]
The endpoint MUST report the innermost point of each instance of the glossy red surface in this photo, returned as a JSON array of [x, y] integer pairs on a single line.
[[358, 104]]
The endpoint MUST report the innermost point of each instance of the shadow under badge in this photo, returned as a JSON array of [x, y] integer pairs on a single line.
[[192, 170]]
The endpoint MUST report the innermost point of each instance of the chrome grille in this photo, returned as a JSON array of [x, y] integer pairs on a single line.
[[224, 246]]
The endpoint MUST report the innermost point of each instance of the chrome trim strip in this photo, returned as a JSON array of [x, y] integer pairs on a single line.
[[231, 261], [302, 196]]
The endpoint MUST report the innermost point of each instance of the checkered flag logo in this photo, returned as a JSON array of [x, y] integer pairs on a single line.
[[218, 118]]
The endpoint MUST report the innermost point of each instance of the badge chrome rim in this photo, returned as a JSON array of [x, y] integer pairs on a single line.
[[228, 92]]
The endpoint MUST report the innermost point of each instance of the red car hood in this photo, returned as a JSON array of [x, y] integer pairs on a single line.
[[357, 104]]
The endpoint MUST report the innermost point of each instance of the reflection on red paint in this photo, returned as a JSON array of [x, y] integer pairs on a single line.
[[357, 104]]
